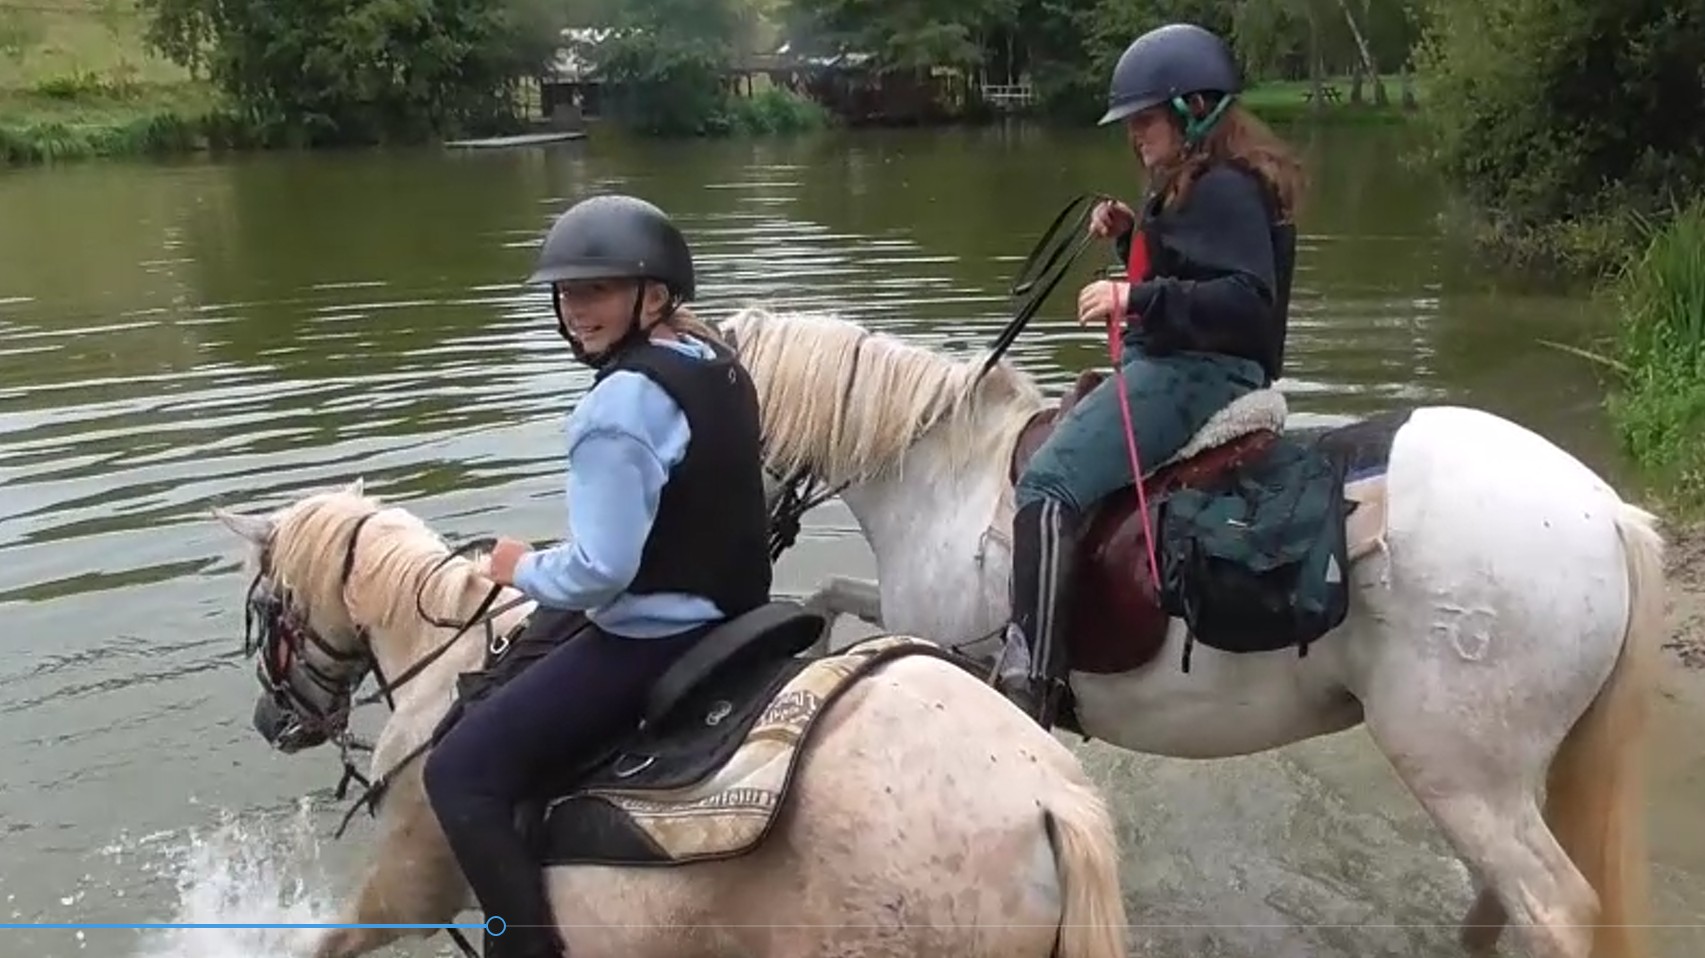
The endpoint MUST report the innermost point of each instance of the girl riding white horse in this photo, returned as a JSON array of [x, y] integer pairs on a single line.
[[1497, 644]]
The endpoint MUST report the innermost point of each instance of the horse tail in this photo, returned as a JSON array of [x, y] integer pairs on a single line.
[[1594, 797], [1086, 853]]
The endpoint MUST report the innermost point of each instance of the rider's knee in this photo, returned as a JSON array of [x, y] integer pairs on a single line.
[[1036, 485]]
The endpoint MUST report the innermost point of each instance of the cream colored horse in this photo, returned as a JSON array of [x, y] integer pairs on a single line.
[[928, 817], [1501, 636]]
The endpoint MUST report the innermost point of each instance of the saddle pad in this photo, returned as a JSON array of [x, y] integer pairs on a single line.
[[725, 814]]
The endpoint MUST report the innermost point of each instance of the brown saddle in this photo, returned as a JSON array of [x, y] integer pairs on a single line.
[[1117, 622]]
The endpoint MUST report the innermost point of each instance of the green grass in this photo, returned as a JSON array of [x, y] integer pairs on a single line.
[[76, 80], [88, 116], [1658, 403], [53, 39], [1287, 100]]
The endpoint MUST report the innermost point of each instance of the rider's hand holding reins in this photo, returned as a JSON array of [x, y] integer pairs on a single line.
[[1101, 301], [504, 555], [1111, 218]]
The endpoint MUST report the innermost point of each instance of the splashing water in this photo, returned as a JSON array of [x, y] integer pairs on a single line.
[[252, 871]]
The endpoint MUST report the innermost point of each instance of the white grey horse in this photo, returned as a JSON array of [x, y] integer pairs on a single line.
[[926, 816], [1497, 644]]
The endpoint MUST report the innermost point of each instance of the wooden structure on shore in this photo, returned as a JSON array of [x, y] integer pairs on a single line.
[[850, 84], [1008, 97]]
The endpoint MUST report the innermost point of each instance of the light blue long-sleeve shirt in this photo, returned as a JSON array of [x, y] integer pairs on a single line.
[[623, 438]]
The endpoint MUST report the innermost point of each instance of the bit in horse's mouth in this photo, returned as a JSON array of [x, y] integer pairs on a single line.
[[283, 730], [296, 738]]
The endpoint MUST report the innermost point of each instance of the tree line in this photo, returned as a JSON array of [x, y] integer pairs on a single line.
[[1566, 121], [374, 70], [1068, 47]]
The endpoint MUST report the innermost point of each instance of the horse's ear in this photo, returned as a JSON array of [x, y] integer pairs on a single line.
[[255, 529], [357, 488]]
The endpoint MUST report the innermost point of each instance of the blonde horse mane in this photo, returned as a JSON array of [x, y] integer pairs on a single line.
[[848, 403], [396, 550]]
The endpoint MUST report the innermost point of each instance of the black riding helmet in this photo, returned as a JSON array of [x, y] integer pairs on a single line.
[[613, 236], [1167, 64]]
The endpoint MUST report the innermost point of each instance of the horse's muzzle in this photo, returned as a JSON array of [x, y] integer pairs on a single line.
[[282, 729]]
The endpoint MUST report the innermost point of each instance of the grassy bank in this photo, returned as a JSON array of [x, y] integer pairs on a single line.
[[76, 80], [85, 117], [1658, 402], [1288, 101]]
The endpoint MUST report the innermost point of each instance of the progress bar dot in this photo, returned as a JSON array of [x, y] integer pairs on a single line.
[[494, 926]]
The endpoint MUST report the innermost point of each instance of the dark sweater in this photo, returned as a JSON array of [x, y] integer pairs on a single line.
[[1220, 273]]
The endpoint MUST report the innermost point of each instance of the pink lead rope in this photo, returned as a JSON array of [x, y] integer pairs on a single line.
[[1136, 269]]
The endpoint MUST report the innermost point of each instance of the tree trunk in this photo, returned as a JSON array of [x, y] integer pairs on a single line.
[[1407, 80], [1316, 81], [1368, 65], [1379, 97]]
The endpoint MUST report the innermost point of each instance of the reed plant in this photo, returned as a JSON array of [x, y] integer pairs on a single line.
[[1658, 402]]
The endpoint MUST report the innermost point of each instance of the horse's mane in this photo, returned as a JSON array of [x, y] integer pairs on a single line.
[[848, 403], [396, 550]]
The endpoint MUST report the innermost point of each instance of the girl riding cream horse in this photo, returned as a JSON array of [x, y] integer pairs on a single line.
[[927, 817], [670, 539]]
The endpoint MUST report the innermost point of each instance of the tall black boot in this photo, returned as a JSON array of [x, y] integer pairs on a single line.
[[1045, 537], [507, 881]]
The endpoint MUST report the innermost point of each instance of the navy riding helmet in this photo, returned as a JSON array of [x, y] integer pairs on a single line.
[[1166, 65]]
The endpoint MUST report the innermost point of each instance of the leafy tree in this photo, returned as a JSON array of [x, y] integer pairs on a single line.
[[903, 34], [331, 71], [664, 60], [1068, 47], [1569, 110], [1086, 42]]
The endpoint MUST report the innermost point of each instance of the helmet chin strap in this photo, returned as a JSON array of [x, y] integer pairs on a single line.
[[1197, 128], [636, 331]]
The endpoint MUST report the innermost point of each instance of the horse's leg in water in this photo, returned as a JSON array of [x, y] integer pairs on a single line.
[[413, 878], [844, 595], [1498, 829], [1483, 793]]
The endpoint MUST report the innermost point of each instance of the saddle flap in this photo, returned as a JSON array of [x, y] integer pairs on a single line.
[[774, 630], [1041, 425]]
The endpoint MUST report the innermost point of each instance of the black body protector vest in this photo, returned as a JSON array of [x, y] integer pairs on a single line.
[[711, 534]]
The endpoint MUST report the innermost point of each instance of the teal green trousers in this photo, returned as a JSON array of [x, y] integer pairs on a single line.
[[1171, 398]]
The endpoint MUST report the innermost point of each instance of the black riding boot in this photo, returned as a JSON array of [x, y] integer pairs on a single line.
[[501, 869], [1044, 560]]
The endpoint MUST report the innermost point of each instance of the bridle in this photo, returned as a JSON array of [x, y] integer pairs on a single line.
[[312, 681]]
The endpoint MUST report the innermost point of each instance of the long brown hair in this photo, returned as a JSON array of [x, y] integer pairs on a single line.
[[1240, 137]]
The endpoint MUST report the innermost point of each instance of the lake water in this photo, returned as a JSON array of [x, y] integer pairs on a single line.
[[238, 331]]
